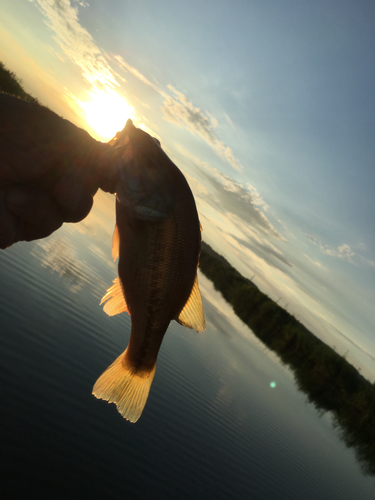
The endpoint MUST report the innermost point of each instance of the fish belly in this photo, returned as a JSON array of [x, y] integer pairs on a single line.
[[157, 267]]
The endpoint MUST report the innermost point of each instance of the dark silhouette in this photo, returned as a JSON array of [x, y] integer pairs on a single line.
[[49, 168], [10, 84]]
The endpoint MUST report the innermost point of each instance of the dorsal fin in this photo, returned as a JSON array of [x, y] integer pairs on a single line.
[[115, 243], [192, 315], [116, 301]]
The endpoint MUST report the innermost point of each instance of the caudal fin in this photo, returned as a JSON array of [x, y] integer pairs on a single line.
[[128, 390]]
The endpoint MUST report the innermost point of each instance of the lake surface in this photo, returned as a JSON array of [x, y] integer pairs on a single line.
[[224, 419]]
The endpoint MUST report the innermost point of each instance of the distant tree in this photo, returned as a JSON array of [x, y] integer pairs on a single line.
[[11, 84], [328, 380]]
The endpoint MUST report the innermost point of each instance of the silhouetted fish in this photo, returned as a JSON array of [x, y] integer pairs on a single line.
[[157, 238]]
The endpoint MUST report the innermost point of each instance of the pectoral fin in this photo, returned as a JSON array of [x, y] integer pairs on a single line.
[[115, 243], [192, 315], [116, 301]]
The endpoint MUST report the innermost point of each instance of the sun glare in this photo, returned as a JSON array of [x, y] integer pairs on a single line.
[[106, 112]]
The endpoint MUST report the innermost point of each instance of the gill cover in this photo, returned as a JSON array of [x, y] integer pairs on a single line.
[[143, 186]]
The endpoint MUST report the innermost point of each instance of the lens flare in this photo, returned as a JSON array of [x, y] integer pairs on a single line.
[[106, 112]]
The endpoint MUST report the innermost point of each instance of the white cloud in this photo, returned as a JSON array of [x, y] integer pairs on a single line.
[[79, 46], [257, 199], [124, 65], [54, 53], [313, 261], [76, 42], [233, 197], [229, 120], [178, 109], [344, 252]]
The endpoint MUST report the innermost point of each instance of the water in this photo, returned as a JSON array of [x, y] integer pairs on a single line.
[[223, 420]]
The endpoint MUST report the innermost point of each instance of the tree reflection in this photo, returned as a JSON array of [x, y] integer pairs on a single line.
[[329, 381]]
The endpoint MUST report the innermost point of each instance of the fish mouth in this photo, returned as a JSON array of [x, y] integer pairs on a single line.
[[135, 170]]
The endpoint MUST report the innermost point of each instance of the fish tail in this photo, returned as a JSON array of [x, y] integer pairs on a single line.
[[121, 385]]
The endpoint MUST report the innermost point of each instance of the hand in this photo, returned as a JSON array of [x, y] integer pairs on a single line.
[[48, 171]]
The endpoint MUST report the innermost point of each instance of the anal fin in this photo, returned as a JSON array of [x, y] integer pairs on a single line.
[[192, 315], [115, 243], [115, 299]]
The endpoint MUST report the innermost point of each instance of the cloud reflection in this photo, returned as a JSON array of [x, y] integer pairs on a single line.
[[81, 253], [57, 253]]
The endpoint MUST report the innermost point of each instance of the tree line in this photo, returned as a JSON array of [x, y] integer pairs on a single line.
[[10, 84], [329, 381]]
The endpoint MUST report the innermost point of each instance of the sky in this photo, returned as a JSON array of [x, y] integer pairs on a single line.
[[268, 108]]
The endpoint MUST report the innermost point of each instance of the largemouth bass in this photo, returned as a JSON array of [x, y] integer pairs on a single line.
[[157, 238]]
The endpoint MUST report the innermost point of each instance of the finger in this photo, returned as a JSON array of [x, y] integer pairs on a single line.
[[73, 198], [35, 141], [8, 225], [36, 215]]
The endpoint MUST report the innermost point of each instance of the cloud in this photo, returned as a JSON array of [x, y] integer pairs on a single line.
[[79, 46], [54, 53], [182, 110], [76, 42], [311, 238], [233, 197], [344, 252], [179, 110], [256, 198], [229, 120], [270, 255], [236, 199], [124, 65], [315, 262]]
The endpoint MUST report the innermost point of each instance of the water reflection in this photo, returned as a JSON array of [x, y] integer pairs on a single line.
[[328, 380], [213, 427], [57, 254]]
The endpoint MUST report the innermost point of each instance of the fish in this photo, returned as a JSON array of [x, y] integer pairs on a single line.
[[157, 239]]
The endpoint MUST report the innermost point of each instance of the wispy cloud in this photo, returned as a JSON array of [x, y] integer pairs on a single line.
[[181, 110], [313, 261], [76, 42], [178, 109], [104, 109], [127, 67], [269, 254], [79, 46], [344, 252], [233, 197], [54, 53], [229, 120]]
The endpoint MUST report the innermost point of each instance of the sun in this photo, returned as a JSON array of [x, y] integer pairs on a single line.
[[106, 112]]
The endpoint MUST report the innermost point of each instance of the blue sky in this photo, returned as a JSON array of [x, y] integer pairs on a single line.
[[267, 107]]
